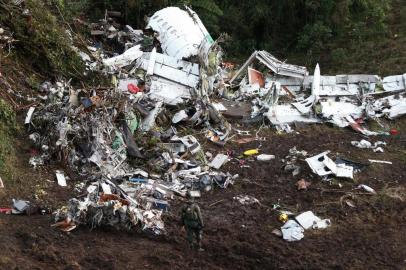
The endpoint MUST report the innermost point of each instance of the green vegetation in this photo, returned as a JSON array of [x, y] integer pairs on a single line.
[[8, 127], [342, 35], [43, 42]]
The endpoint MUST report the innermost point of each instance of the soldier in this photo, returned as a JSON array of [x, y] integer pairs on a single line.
[[193, 223]]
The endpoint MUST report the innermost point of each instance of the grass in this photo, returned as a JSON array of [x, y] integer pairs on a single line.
[[43, 41], [8, 127]]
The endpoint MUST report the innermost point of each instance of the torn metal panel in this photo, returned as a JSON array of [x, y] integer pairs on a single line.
[[307, 219], [169, 92], [394, 83], [149, 122], [124, 59], [344, 171], [318, 165], [305, 106], [293, 85], [180, 32], [276, 66], [167, 67], [344, 85], [322, 165], [284, 114]]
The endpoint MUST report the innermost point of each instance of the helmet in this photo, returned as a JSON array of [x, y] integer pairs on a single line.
[[283, 217]]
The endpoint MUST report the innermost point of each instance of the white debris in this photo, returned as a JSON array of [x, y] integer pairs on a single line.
[[60, 177], [366, 144], [219, 107], [106, 188], [169, 92], [151, 64], [124, 59], [191, 143], [181, 33], [378, 150], [366, 188], [246, 199], [218, 161], [379, 161], [307, 219], [322, 165], [265, 157], [29, 115], [194, 193], [179, 116], [169, 68], [149, 121], [292, 231], [322, 224], [362, 144]]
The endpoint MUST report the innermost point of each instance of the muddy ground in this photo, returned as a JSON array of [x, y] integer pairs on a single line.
[[371, 235]]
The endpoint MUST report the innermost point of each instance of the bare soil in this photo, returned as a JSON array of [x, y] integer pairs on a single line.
[[372, 235]]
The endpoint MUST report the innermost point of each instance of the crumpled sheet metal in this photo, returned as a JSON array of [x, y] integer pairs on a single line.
[[181, 33], [391, 106], [278, 67], [169, 92]]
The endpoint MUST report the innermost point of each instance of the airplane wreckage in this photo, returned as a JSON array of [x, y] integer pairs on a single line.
[[93, 129]]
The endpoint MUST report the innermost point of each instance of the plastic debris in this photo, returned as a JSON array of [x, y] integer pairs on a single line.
[[251, 152], [265, 157], [292, 231]]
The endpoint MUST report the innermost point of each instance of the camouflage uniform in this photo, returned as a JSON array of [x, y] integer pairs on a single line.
[[193, 223]]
